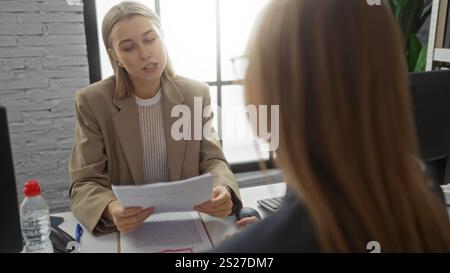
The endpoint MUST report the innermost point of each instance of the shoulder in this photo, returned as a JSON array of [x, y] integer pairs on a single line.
[[289, 230], [190, 87], [97, 92]]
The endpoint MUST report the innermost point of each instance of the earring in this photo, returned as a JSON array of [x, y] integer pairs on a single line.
[[120, 64]]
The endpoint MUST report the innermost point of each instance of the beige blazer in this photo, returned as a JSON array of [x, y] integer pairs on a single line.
[[108, 147]]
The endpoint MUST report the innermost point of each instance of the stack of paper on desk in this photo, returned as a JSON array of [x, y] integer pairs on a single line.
[[179, 232], [174, 196]]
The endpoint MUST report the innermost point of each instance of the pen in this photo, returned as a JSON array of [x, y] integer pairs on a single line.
[[179, 250], [78, 232]]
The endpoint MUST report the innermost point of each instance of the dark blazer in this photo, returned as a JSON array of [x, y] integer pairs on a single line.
[[288, 230]]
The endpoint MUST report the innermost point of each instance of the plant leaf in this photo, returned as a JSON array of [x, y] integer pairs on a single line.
[[411, 15], [424, 17], [421, 60], [414, 49]]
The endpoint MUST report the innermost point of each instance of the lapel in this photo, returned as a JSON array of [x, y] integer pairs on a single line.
[[172, 96], [126, 122], [127, 125]]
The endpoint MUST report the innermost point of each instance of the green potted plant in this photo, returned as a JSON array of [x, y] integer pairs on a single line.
[[411, 16]]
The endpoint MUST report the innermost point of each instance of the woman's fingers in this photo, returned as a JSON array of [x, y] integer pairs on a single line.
[[216, 205], [128, 228], [130, 211], [216, 200], [217, 213], [220, 205], [136, 218], [222, 213], [246, 221], [241, 224], [145, 214], [213, 208], [222, 200]]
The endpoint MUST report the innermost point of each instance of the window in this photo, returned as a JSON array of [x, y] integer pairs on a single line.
[[201, 38], [190, 36]]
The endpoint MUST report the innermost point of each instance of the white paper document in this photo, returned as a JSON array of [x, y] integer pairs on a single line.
[[174, 196], [176, 232]]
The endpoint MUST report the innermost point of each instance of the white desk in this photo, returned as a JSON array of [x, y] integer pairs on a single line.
[[217, 228]]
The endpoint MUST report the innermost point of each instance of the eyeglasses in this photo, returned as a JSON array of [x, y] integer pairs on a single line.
[[240, 66]]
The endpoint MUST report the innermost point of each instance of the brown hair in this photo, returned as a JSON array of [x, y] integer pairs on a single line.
[[118, 13], [347, 141]]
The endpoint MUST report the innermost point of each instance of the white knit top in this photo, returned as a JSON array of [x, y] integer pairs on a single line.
[[156, 166]]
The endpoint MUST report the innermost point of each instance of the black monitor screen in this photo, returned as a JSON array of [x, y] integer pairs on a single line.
[[10, 233], [431, 104]]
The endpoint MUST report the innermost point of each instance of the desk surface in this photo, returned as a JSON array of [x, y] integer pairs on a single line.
[[218, 228]]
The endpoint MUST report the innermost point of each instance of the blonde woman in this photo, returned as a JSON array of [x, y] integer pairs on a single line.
[[124, 124], [347, 141]]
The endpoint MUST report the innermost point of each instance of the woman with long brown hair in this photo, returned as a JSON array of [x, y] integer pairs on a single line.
[[347, 140]]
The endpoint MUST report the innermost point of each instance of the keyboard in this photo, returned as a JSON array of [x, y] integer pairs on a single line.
[[271, 204]]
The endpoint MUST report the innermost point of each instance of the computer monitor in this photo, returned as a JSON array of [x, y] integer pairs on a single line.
[[431, 106], [10, 232]]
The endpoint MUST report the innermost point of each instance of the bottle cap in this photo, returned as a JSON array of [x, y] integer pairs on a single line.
[[31, 188]]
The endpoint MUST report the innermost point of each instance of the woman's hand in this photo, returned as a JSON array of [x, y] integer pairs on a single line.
[[126, 219], [220, 205], [246, 221], [241, 224]]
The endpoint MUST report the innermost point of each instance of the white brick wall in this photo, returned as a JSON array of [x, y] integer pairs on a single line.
[[43, 62]]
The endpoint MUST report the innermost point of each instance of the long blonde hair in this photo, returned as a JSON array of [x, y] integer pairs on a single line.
[[118, 13], [347, 140]]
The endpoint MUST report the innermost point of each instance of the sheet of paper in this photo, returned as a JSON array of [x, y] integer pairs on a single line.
[[173, 196], [176, 232]]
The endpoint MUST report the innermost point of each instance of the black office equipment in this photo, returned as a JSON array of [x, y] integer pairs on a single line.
[[10, 232], [11, 239], [431, 100], [56, 220], [431, 106], [60, 239], [447, 30], [271, 204], [247, 212]]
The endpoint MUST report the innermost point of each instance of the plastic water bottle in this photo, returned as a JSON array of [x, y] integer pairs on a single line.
[[35, 220]]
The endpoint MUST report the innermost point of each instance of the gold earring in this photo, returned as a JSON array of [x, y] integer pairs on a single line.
[[120, 64]]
